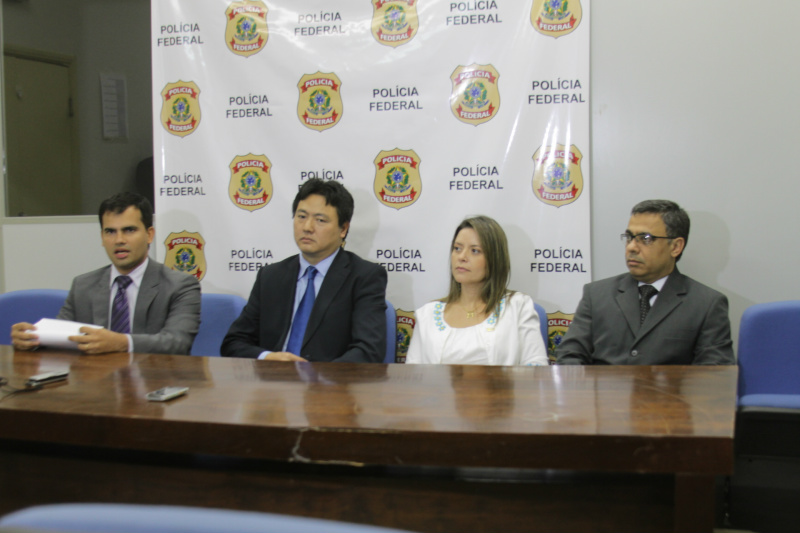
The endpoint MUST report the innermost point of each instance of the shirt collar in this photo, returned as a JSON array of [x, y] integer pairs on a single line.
[[322, 267], [658, 284], [136, 275]]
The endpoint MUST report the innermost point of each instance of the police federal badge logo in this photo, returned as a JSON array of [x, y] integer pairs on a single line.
[[557, 177], [246, 30], [320, 104], [397, 179], [557, 325], [405, 329], [556, 18], [185, 253], [250, 187], [475, 97], [394, 22], [180, 108]]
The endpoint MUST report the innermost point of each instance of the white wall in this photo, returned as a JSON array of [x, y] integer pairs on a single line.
[[48, 252], [698, 103], [692, 102]]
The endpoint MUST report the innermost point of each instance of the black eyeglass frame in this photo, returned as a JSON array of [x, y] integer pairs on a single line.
[[642, 238]]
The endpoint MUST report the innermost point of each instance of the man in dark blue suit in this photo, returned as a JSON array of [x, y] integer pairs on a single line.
[[325, 304], [653, 315]]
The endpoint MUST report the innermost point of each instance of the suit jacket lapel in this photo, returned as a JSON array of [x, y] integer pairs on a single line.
[[628, 302], [331, 285], [100, 298], [670, 297], [147, 293]]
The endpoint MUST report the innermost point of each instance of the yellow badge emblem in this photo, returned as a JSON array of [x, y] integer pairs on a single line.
[[394, 22], [180, 108], [246, 30], [475, 97], [557, 178], [405, 329], [557, 325], [556, 18], [320, 104], [185, 253], [397, 179], [250, 187]]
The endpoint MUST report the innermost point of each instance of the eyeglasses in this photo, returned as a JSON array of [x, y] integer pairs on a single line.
[[642, 238]]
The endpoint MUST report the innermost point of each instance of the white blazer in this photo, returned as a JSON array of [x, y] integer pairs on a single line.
[[511, 334]]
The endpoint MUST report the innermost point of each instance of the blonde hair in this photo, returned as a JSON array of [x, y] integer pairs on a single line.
[[498, 262]]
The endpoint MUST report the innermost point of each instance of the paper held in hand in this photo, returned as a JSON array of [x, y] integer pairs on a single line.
[[53, 333]]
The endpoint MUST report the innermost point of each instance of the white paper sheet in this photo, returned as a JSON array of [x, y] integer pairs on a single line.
[[53, 333]]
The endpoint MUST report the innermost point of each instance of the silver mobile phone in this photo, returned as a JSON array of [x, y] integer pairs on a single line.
[[166, 393], [47, 377]]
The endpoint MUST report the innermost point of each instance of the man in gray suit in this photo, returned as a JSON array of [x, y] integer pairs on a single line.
[[653, 315], [140, 305]]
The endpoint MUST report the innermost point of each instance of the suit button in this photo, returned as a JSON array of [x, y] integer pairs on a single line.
[[634, 353]]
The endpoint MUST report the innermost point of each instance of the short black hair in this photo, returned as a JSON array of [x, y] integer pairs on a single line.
[[120, 202], [334, 193], [674, 217]]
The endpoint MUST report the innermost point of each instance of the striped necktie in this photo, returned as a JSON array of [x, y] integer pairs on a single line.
[[120, 312]]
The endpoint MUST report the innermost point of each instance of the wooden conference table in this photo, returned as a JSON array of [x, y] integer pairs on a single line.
[[423, 448]]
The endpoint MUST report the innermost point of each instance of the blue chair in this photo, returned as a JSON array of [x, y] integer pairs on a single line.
[[765, 486], [391, 334], [28, 306], [129, 518], [769, 355], [217, 313], [542, 321]]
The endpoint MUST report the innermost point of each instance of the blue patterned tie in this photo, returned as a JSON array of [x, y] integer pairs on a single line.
[[301, 315], [120, 313]]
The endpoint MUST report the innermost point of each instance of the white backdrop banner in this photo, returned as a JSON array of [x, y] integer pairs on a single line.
[[426, 110]]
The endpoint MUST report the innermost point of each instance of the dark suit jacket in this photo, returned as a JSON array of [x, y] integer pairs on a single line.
[[167, 314], [688, 325], [347, 322]]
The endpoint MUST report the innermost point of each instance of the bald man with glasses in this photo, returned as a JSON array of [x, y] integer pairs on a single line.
[[652, 315]]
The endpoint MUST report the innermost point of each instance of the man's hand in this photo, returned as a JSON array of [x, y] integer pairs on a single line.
[[282, 356], [100, 340], [22, 336]]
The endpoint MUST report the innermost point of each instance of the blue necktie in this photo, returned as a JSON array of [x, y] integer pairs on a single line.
[[120, 313], [301, 315]]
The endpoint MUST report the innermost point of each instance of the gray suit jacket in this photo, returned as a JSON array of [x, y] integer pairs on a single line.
[[167, 314], [688, 325]]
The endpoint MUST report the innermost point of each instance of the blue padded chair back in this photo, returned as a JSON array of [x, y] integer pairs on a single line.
[[769, 349], [129, 518], [217, 313], [391, 333], [542, 321], [28, 306]]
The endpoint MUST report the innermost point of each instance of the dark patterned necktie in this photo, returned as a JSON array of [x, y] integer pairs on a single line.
[[646, 292], [120, 312], [301, 315]]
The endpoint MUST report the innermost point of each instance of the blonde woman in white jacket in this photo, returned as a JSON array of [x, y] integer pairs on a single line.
[[480, 321]]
